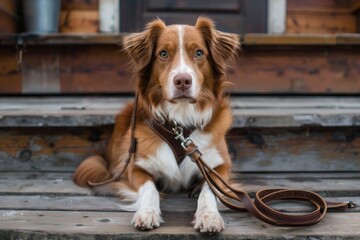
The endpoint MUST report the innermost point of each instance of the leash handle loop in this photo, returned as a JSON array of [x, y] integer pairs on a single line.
[[259, 207]]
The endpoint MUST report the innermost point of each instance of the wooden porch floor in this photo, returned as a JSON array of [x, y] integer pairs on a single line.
[[47, 205], [307, 143]]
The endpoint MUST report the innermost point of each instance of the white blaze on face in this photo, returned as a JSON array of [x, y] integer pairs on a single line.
[[182, 66]]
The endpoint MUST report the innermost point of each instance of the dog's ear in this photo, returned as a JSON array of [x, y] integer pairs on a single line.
[[140, 46], [222, 46]]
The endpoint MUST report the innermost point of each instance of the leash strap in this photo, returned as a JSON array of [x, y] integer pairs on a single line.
[[232, 198], [132, 149]]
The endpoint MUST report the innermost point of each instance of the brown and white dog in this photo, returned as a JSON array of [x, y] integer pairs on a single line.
[[180, 73]]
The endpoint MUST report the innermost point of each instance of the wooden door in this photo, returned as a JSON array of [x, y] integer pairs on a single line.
[[237, 16]]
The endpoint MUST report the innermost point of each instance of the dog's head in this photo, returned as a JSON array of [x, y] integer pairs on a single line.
[[181, 68]]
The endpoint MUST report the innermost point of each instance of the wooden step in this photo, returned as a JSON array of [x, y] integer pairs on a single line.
[[94, 63], [269, 133], [38, 208], [247, 111]]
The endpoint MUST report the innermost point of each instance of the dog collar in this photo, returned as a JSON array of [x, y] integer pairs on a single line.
[[166, 133]]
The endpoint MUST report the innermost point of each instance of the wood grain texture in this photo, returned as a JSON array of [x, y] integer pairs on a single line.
[[305, 23], [247, 111], [324, 16], [79, 21], [112, 225], [65, 187], [10, 77], [299, 71], [296, 72], [9, 17], [307, 149], [53, 148], [251, 149], [79, 4], [111, 204], [291, 41]]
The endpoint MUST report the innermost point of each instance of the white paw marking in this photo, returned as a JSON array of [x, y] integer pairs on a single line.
[[207, 216], [146, 219], [209, 222]]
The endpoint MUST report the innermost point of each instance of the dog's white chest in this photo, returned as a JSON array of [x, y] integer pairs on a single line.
[[163, 166]]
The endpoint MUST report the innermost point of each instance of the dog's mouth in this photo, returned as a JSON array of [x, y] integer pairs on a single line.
[[183, 98]]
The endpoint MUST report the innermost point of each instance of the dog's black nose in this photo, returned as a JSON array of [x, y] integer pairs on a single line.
[[182, 81]]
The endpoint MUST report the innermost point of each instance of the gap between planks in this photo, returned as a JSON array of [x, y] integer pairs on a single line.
[[335, 187]]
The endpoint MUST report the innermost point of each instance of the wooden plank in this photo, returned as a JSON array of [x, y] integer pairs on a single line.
[[41, 72], [305, 23], [247, 111], [248, 39], [9, 17], [355, 5], [79, 4], [71, 71], [252, 150], [112, 225], [304, 71], [331, 71], [295, 149], [111, 204], [59, 187], [56, 187], [237, 175], [79, 21], [300, 39], [309, 4], [46, 149], [10, 77]]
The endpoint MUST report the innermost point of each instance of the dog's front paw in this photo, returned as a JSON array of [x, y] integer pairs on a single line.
[[146, 219], [209, 222]]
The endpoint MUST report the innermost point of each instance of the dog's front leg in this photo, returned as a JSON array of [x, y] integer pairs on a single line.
[[207, 216], [148, 214]]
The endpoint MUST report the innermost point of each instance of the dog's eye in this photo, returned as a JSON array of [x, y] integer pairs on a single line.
[[199, 54], [164, 55]]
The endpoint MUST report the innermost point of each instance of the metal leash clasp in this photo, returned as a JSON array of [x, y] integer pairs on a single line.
[[352, 205], [179, 131]]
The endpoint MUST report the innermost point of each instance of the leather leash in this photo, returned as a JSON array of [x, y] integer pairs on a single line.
[[228, 195], [132, 149], [259, 207]]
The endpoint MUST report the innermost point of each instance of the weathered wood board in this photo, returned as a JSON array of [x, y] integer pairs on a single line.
[[111, 204], [39, 208], [247, 111], [65, 187], [79, 21], [252, 150], [113, 225], [323, 16], [77, 67], [79, 4]]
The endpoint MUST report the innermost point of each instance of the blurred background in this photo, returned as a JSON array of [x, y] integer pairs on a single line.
[[238, 16]]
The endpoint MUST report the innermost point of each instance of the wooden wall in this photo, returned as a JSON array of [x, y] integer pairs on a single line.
[[9, 18], [81, 16], [322, 16], [86, 69]]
